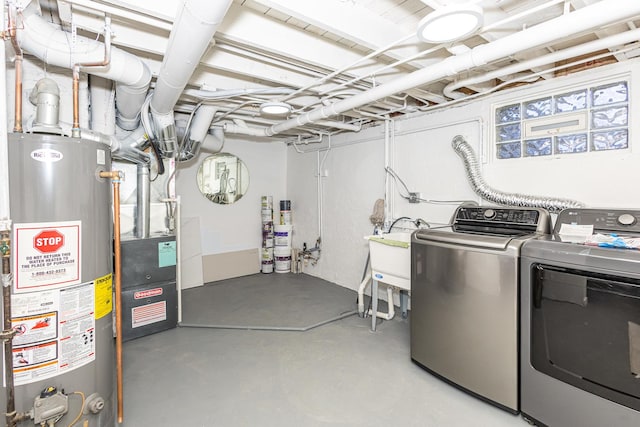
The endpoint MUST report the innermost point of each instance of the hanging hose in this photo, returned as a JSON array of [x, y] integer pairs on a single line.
[[480, 187]]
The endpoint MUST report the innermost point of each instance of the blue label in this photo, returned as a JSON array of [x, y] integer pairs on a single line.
[[379, 276], [166, 254]]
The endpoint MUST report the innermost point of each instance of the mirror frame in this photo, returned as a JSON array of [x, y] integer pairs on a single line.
[[219, 176]]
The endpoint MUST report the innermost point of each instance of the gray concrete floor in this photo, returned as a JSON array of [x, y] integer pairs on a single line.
[[339, 374]]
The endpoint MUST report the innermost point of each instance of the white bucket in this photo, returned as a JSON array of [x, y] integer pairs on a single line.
[[267, 229], [267, 242], [267, 215], [282, 257], [267, 202], [282, 235], [267, 254], [267, 266], [285, 218]]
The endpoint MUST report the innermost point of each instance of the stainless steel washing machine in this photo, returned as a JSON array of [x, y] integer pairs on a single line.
[[464, 299], [580, 318]]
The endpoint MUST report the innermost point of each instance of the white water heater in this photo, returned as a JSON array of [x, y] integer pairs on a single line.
[[61, 297]]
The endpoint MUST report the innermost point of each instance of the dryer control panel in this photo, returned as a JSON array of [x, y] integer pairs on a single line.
[[602, 220]]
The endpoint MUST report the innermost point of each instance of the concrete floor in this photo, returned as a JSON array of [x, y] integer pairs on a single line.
[[338, 374]]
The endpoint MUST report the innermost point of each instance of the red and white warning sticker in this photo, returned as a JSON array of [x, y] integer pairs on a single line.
[[47, 255]]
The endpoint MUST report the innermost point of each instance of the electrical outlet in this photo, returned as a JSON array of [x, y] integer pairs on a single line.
[[414, 197]]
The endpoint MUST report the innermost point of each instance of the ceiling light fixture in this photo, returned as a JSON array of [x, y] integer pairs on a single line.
[[275, 108], [449, 23]]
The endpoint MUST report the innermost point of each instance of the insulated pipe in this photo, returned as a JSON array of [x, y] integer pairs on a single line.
[[593, 16], [143, 201], [480, 187], [115, 177], [571, 52], [192, 32], [198, 131], [131, 148], [47, 42]]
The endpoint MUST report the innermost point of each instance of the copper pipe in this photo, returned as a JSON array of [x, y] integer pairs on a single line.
[[17, 126], [5, 249], [115, 176], [75, 128]]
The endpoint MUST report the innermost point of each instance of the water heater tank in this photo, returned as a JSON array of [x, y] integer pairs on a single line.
[[62, 286]]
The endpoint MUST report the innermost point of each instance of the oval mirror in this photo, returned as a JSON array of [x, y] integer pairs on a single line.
[[223, 178]]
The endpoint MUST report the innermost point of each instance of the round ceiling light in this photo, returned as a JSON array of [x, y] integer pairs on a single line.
[[449, 23], [275, 108]]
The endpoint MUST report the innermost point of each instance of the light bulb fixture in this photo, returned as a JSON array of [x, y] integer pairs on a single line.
[[275, 108], [449, 23]]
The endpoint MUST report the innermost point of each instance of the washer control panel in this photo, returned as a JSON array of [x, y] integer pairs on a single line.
[[495, 214], [603, 220], [500, 221]]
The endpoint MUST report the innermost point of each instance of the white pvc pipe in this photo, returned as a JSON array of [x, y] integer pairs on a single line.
[[244, 130], [361, 288], [388, 186], [52, 45], [392, 310], [593, 16], [255, 131], [119, 10], [179, 257], [560, 55]]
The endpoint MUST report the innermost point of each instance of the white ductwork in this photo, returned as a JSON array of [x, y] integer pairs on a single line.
[[103, 107], [593, 16], [560, 55], [193, 29], [52, 45], [198, 131]]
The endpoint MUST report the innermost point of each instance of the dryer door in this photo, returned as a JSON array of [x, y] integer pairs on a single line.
[[585, 331]]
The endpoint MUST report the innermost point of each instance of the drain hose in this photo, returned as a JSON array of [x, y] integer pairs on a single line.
[[480, 187]]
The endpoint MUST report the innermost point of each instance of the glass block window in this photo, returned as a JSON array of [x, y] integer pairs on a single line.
[[602, 113]]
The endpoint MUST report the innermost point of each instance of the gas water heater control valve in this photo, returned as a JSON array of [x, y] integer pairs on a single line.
[[49, 405]]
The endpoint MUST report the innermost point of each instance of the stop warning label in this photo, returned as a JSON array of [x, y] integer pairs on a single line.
[[48, 241], [47, 255]]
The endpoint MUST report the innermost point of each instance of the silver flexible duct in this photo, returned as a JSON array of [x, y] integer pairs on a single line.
[[480, 187]]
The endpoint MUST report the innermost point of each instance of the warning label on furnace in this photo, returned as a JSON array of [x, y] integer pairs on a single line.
[[55, 332], [47, 255]]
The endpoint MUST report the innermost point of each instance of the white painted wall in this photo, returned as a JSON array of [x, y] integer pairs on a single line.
[[238, 226], [422, 156]]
